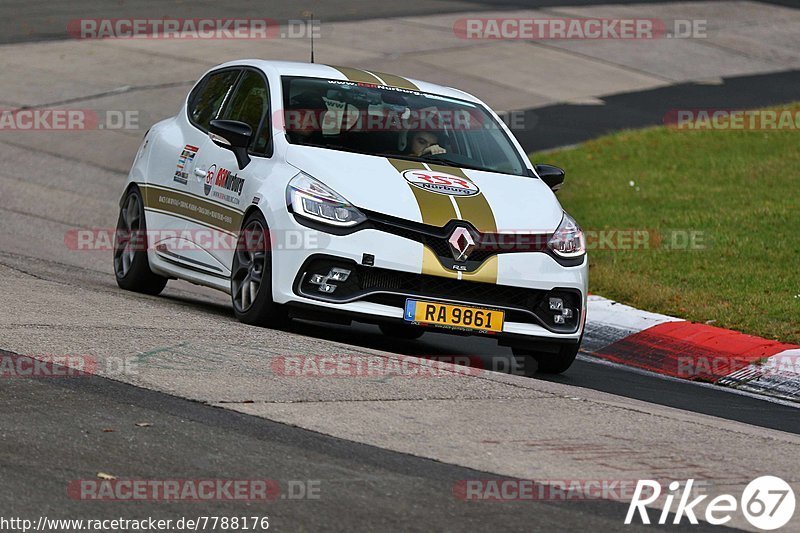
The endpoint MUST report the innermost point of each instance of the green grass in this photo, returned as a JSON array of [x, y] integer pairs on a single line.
[[741, 189]]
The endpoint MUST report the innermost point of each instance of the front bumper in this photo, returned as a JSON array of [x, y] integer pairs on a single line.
[[387, 269]]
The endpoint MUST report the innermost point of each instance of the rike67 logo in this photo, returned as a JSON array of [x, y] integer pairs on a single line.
[[767, 503]]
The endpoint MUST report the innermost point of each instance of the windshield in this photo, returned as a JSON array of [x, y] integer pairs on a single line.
[[393, 122]]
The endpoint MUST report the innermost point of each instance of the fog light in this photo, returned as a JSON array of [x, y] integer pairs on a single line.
[[317, 279], [559, 319], [567, 313], [556, 304], [338, 274], [327, 288]]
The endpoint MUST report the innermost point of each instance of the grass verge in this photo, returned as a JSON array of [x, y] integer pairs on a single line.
[[721, 212]]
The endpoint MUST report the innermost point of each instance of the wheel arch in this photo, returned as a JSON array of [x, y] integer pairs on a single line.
[[128, 187], [253, 208]]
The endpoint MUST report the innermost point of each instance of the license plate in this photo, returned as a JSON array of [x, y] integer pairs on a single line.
[[454, 316]]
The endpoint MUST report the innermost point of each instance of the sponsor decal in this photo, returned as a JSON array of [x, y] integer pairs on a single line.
[[209, 182], [226, 180], [441, 183], [194, 208], [375, 78], [185, 162]]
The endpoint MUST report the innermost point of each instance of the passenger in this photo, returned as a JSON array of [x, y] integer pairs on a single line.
[[304, 119]]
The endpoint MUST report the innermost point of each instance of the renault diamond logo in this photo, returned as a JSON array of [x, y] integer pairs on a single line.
[[461, 244]]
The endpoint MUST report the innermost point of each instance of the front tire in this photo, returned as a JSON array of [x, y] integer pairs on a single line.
[[531, 362], [131, 267], [251, 276]]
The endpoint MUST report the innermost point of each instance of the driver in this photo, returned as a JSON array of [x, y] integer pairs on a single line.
[[305, 118], [423, 143]]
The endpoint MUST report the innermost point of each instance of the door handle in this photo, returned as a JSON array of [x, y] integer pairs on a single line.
[[200, 172]]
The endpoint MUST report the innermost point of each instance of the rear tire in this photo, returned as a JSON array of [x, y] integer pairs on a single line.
[[131, 266], [402, 331], [251, 276], [531, 362]]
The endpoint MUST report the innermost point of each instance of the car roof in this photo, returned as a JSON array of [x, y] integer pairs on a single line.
[[336, 72]]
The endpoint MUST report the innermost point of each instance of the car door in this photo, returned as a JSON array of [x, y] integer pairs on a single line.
[[227, 188], [173, 172], [206, 103]]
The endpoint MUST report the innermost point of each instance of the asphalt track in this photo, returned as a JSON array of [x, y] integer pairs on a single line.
[[362, 488], [37, 20], [586, 372], [55, 430], [567, 124]]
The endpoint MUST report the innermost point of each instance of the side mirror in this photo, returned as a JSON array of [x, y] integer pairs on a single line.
[[552, 176], [234, 136]]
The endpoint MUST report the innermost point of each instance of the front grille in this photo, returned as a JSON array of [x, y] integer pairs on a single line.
[[436, 238], [377, 279], [391, 287]]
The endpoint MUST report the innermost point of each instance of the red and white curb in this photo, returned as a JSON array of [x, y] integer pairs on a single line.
[[687, 350]]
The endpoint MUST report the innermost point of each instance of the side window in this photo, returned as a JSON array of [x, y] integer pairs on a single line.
[[250, 104], [210, 97]]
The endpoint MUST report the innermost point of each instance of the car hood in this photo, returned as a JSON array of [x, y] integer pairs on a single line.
[[433, 194]]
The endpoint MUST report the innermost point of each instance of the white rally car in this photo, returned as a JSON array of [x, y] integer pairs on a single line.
[[335, 193]]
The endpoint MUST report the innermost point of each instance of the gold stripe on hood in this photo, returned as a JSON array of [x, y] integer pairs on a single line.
[[436, 210], [487, 272], [474, 209], [477, 211], [439, 209]]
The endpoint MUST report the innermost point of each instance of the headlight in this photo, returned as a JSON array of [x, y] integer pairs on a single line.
[[313, 199], [568, 240]]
